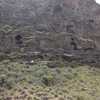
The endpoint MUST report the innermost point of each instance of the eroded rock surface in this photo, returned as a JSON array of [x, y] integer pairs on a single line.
[[49, 25]]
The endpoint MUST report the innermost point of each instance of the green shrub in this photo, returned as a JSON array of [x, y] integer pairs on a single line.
[[5, 82], [80, 98], [48, 80], [6, 29]]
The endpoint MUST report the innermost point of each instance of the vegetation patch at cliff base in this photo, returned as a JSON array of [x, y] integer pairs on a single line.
[[41, 81]]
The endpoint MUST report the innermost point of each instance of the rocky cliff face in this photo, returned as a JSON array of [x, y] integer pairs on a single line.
[[32, 25]]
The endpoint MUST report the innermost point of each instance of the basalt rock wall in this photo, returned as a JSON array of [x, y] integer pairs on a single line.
[[46, 25]]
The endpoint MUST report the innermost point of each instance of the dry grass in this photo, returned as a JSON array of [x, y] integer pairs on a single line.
[[19, 81]]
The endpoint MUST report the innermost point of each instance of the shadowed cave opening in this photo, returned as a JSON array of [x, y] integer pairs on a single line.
[[19, 40]]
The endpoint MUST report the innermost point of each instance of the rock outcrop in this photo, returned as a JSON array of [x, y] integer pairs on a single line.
[[49, 25]]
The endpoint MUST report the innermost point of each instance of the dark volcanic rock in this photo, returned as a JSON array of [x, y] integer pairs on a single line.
[[49, 26], [57, 15]]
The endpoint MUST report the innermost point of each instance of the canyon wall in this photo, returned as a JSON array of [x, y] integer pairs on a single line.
[[45, 25]]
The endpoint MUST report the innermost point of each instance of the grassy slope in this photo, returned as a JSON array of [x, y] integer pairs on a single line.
[[19, 81]]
